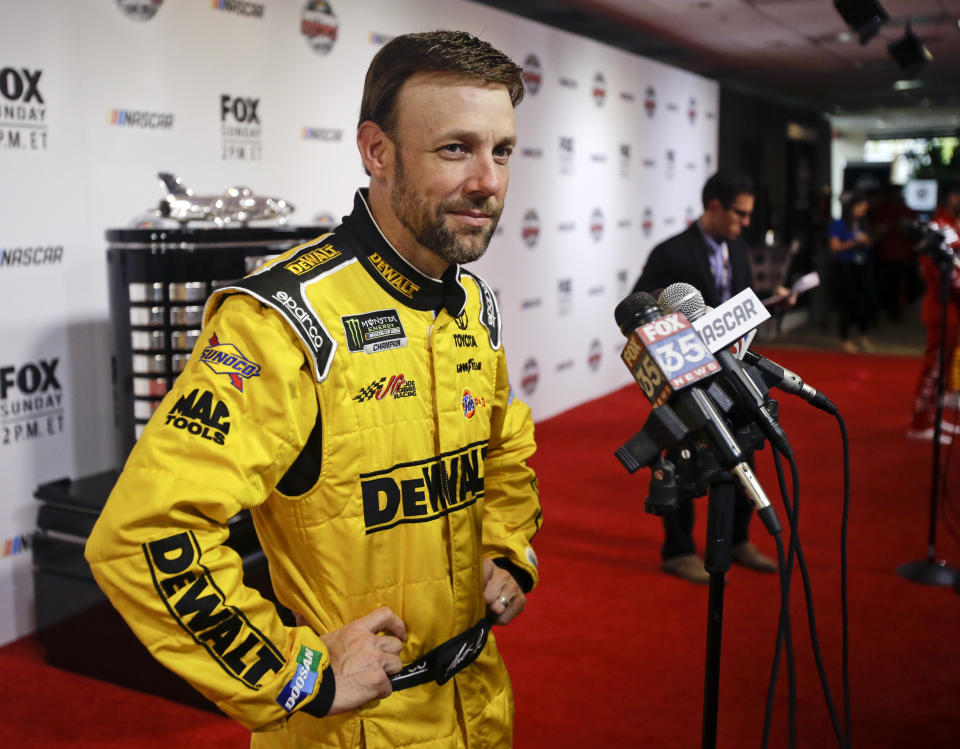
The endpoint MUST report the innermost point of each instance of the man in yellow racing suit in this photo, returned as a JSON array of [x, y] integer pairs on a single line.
[[353, 394]]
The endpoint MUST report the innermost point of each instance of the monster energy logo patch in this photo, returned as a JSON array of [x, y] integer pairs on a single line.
[[374, 331]]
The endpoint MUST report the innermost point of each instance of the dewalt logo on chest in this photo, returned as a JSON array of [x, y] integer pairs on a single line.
[[423, 490]]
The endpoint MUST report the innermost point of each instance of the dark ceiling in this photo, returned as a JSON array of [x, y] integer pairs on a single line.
[[798, 51]]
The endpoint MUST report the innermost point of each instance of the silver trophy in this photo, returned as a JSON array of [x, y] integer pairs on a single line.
[[237, 206]]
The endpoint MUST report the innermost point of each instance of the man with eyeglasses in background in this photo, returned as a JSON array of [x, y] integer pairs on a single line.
[[710, 255]]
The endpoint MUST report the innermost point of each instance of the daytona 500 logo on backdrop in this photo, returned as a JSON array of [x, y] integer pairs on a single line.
[[319, 25]]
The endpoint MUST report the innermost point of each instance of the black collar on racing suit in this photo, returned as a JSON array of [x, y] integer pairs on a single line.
[[393, 273]]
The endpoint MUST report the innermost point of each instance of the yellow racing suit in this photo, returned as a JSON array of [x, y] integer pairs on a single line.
[[362, 412]]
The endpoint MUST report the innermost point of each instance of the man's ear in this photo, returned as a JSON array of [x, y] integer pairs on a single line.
[[376, 149], [714, 206]]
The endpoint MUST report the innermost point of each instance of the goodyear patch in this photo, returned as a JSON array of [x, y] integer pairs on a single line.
[[372, 332], [304, 681], [227, 359]]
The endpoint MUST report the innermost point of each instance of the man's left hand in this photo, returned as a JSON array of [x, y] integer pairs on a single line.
[[504, 597]]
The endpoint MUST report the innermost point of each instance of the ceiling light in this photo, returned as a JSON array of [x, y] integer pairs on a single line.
[[906, 85], [863, 16], [909, 52]]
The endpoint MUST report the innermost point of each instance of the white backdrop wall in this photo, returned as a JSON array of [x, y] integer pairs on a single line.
[[97, 96]]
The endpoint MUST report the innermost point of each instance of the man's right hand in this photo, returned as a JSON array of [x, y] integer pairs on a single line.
[[361, 659]]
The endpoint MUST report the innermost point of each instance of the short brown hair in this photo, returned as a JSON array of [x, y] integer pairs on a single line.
[[442, 51]]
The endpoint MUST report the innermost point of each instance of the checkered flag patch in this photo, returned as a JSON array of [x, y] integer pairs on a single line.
[[369, 391]]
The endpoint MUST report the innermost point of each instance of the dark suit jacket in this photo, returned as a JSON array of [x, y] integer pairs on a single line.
[[686, 258]]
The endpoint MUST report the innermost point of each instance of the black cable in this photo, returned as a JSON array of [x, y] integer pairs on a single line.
[[808, 591], [844, 608], [814, 640], [944, 489], [784, 633]]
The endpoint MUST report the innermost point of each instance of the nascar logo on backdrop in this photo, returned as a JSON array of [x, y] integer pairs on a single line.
[[39, 254], [239, 7]]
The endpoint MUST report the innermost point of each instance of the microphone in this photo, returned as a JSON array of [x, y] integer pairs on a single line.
[[666, 357], [684, 298], [781, 377]]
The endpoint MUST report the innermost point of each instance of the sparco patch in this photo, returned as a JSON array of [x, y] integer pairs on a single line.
[[374, 331], [227, 359], [304, 680]]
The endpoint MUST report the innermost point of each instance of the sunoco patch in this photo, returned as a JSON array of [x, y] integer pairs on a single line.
[[304, 680], [374, 331], [227, 359]]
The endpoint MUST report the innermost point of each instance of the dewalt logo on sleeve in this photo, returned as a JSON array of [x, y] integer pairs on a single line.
[[423, 490], [195, 601]]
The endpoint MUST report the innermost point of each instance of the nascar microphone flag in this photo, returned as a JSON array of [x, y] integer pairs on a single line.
[[733, 319]]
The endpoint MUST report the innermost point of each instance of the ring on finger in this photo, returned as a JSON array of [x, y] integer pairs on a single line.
[[504, 601]]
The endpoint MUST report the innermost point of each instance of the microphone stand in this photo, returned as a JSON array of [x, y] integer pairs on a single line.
[[931, 571], [720, 499]]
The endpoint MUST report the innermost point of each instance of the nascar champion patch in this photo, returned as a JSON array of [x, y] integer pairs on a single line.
[[374, 331]]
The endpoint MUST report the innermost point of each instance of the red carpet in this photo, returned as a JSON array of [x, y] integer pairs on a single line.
[[610, 651]]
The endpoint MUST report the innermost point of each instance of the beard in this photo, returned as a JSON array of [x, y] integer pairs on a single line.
[[428, 224]]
